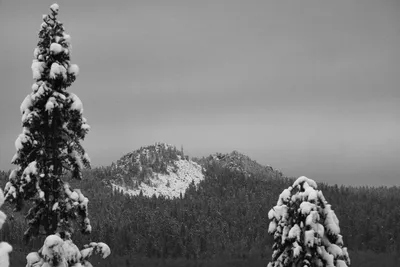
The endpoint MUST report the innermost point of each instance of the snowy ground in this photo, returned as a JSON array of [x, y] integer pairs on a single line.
[[169, 185]]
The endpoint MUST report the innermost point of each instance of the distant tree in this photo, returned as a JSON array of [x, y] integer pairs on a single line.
[[49, 148], [305, 229]]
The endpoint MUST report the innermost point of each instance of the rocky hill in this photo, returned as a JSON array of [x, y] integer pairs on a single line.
[[238, 162], [159, 169]]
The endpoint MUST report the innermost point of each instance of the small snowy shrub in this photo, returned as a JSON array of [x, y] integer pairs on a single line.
[[58, 251], [48, 149], [5, 248], [305, 229]]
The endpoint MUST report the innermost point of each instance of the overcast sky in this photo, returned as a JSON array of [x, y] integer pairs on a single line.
[[308, 87]]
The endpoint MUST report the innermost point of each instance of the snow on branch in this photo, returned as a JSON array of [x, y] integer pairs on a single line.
[[77, 202], [76, 103]]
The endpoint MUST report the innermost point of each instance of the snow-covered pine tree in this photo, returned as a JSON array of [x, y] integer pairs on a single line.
[[5, 248], [305, 229], [49, 144], [49, 148]]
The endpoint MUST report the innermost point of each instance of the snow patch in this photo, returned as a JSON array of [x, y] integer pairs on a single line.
[[306, 207], [295, 232], [33, 259], [26, 104], [73, 69], [272, 227], [284, 197], [303, 179], [21, 140], [55, 8], [85, 126], [51, 103], [170, 185], [56, 48], [57, 69], [67, 38], [36, 52], [279, 212], [341, 263], [31, 169], [35, 87], [52, 247], [296, 249], [309, 238], [5, 249], [76, 103], [37, 69]]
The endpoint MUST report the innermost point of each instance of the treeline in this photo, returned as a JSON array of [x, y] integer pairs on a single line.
[[226, 216]]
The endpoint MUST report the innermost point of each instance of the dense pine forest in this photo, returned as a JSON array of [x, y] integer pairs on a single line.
[[156, 206], [222, 222]]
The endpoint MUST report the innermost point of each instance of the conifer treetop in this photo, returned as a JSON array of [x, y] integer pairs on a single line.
[[305, 229]]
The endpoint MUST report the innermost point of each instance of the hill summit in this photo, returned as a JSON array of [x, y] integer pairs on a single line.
[[239, 162], [158, 169]]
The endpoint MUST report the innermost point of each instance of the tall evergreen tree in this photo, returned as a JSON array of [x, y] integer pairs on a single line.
[[49, 145], [305, 229], [48, 149]]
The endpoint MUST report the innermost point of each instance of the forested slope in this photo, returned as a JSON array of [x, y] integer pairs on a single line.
[[224, 218]]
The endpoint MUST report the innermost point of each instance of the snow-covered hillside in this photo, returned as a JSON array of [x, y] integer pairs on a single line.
[[169, 185], [159, 169]]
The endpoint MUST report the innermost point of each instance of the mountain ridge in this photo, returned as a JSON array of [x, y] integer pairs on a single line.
[[237, 161], [162, 169], [224, 217]]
